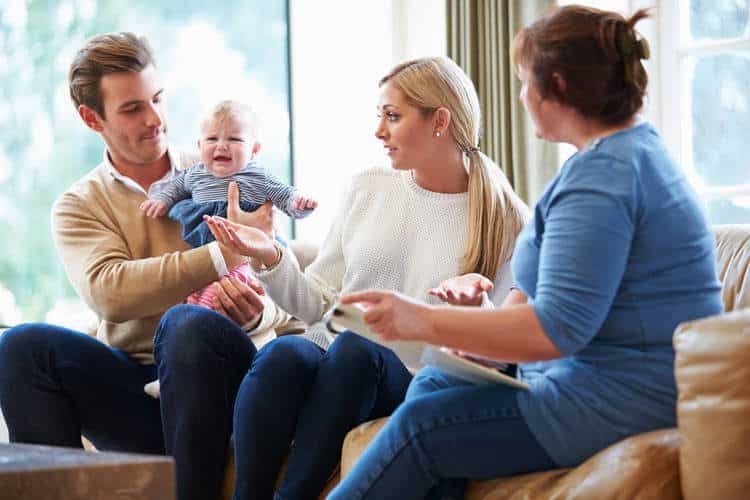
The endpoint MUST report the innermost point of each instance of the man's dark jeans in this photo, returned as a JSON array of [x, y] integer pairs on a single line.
[[57, 384]]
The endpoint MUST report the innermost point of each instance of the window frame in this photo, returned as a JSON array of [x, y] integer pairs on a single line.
[[676, 49]]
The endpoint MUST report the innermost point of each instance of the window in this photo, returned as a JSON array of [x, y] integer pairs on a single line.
[[205, 53], [706, 105]]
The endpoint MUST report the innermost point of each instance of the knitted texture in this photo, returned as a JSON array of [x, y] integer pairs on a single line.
[[389, 233]]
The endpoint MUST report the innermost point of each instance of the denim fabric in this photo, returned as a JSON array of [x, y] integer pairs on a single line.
[[57, 384], [269, 401], [446, 431], [190, 214], [201, 358], [295, 391]]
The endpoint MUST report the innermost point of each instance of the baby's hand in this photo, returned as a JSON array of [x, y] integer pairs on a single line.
[[154, 208], [304, 203]]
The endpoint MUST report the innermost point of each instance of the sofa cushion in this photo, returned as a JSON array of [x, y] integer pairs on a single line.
[[712, 368], [643, 466], [732, 260]]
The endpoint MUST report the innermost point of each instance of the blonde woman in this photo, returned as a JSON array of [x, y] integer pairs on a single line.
[[442, 210], [617, 255]]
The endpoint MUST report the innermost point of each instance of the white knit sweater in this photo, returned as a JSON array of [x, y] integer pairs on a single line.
[[389, 234]]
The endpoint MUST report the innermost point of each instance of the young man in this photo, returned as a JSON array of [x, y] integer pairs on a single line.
[[57, 384]]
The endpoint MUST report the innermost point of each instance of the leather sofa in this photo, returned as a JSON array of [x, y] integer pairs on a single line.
[[707, 456]]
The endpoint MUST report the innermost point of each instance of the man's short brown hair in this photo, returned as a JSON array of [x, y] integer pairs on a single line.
[[102, 55]]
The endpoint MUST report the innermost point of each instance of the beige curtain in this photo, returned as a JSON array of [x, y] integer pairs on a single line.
[[480, 33]]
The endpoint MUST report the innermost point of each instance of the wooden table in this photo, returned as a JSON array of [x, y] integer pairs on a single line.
[[47, 472]]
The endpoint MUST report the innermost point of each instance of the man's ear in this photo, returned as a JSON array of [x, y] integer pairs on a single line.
[[442, 120], [90, 117], [560, 83], [255, 150]]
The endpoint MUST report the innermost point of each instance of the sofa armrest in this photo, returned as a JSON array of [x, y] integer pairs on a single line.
[[712, 369]]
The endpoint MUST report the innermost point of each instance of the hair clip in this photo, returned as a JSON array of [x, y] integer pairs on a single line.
[[644, 51]]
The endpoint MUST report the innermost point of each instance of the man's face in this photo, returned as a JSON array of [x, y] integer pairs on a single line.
[[135, 127]]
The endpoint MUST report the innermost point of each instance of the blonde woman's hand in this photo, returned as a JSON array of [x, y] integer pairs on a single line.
[[394, 316], [262, 218], [244, 240], [464, 290]]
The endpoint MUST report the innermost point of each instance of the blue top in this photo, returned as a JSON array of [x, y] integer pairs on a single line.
[[618, 253]]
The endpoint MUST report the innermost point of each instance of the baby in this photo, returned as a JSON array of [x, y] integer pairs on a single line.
[[228, 146]]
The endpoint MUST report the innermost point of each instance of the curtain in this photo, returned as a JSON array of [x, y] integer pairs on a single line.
[[480, 33]]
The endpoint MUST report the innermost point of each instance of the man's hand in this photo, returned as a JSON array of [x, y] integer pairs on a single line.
[[261, 219], [238, 301], [304, 203], [153, 208], [464, 290]]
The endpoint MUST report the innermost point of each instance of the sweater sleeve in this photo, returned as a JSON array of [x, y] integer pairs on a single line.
[[103, 272], [309, 295], [584, 250]]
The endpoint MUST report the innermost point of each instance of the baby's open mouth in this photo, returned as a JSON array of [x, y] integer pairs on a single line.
[[222, 158]]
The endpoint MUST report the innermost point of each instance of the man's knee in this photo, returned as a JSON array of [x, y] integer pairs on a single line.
[[21, 345], [187, 334]]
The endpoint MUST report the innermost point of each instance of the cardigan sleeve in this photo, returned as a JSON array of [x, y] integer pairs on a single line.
[[309, 295]]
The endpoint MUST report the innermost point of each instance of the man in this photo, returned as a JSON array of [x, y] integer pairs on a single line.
[[57, 384]]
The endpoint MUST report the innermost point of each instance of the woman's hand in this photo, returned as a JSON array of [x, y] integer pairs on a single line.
[[262, 218], [464, 290], [393, 315], [243, 240]]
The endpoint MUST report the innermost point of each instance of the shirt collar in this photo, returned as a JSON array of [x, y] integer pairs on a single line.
[[155, 187]]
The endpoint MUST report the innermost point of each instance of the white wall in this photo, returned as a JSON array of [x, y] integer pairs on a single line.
[[336, 66]]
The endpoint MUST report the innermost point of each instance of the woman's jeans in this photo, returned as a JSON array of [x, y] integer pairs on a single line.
[[296, 392], [57, 384], [447, 431]]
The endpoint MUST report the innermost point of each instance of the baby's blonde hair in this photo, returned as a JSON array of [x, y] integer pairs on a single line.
[[233, 110]]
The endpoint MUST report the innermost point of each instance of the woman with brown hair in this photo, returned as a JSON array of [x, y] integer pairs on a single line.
[[617, 254], [443, 209]]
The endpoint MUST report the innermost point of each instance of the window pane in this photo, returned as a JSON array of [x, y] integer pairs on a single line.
[[729, 211], [233, 49], [721, 119], [715, 19]]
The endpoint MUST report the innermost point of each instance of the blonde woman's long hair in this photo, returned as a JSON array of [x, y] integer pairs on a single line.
[[496, 213]]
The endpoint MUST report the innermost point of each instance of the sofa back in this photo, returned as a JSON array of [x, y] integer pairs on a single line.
[[733, 260], [712, 369]]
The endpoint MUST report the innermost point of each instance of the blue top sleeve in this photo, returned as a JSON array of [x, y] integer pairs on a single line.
[[588, 228]]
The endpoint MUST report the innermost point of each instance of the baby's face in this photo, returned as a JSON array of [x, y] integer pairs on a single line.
[[226, 146]]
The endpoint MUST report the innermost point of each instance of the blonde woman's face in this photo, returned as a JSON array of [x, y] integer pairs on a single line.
[[407, 135]]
